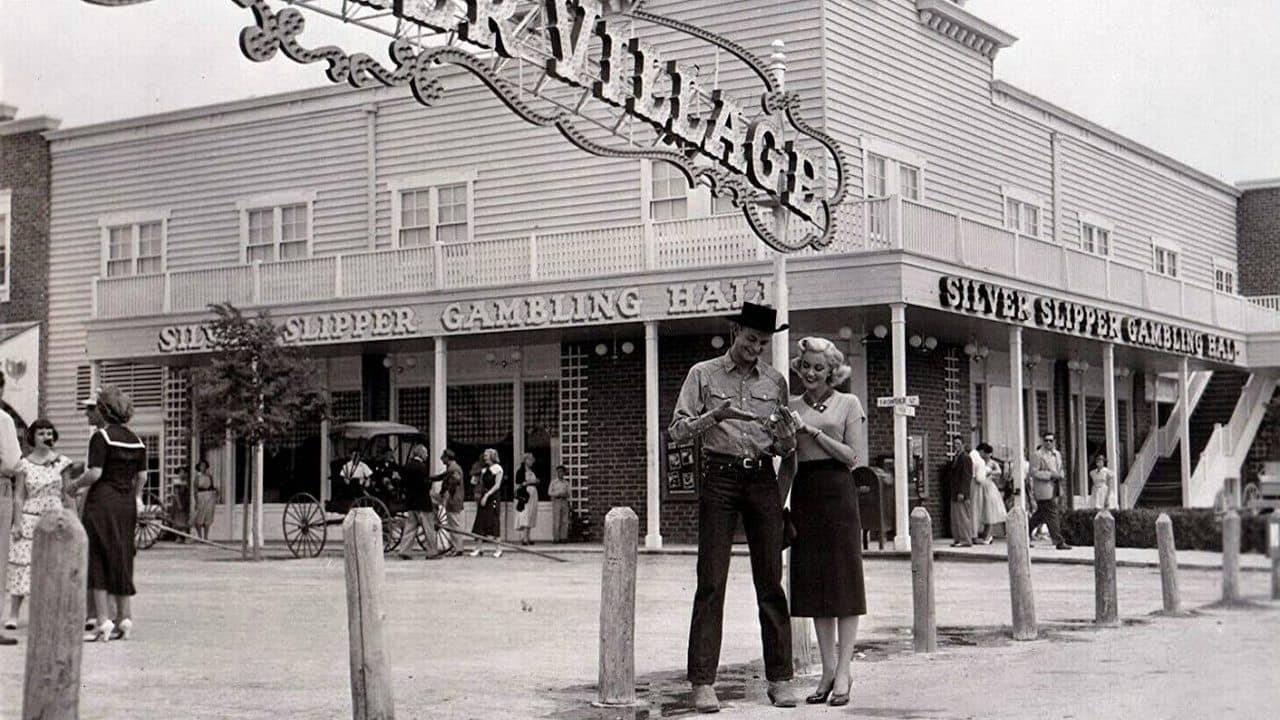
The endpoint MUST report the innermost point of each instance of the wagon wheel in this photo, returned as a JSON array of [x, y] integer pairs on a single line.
[[444, 538], [392, 525], [305, 529], [147, 531]]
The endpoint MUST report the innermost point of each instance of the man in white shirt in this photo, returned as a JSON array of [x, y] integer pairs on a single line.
[[10, 454]]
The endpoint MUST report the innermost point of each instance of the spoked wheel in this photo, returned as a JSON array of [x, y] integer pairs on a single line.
[[305, 529], [147, 531], [392, 525], [444, 538]]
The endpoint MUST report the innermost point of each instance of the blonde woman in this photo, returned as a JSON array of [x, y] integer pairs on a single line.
[[488, 523], [826, 557]]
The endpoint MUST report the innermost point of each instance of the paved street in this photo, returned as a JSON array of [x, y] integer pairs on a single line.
[[517, 638]]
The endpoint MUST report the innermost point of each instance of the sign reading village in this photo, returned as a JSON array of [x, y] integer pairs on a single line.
[[1017, 306]]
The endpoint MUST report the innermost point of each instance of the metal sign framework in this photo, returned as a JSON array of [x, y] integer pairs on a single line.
[[588, 71]]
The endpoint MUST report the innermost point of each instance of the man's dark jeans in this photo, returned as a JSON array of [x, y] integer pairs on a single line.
[[725, 493], [1047, 512]]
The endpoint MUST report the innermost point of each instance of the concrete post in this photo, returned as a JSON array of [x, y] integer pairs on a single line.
[[1106, 609], [618, 609], [1168, 565], [1020, 592], [371, 695], [924, 633], [6, 522], [1273, 543], [1231, 557], [59, 568]]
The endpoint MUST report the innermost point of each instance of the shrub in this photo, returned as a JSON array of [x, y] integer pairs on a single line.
[[1193, 528]]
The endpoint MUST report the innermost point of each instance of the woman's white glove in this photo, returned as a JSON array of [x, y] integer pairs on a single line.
[[137, 504]]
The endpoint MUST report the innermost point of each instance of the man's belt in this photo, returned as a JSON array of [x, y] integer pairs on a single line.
[[739, 462]]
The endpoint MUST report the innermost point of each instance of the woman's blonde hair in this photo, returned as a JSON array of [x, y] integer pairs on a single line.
[[491, 453], [831, 355]]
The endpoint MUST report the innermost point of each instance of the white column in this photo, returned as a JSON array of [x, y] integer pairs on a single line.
[[440, 400], [1018, 452], [1184, 387], [326, 454], [898, 319], [652, 439], [1112, 420], [1082, 447]]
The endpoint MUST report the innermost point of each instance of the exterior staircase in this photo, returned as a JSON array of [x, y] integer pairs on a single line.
[[1216, 406], [1160, 445], [1224, 454]]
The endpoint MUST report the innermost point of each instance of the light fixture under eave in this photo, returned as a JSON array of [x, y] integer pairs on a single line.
[[717, 342], [845, 332], [1123, 372], [516, 355], [881, 332], [490, 357], [931, 343], [387, 362], [628, 347], [915, 341], [602, 349]]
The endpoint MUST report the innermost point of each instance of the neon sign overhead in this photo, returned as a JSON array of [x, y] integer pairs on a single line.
[[579, 67]]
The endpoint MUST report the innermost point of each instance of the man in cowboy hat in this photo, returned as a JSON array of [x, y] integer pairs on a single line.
[[737, 405]]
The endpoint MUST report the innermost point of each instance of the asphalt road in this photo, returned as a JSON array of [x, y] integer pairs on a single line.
[[517, 637]]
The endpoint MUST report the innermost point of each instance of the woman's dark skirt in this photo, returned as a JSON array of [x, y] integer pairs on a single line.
[[487, 521], [110, 517], [826, 557]]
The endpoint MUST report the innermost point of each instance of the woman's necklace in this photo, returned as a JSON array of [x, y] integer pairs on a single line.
[[819, 405]]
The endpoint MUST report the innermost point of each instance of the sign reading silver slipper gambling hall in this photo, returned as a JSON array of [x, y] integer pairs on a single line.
[[586, 71], [1018, 306]]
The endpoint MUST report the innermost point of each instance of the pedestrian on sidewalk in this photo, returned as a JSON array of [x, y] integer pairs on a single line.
[[558, 491], [488, 522], [988, 506], [737, 405], [10, 457], [826, 557], [959, 474], [207, 497], [1048, 474], [1103, 479], [420, 512], [526, 489], [37, 489], [453, 494]]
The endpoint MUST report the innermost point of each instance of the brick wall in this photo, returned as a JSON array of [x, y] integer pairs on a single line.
[[24, 170], [926, 374], [615, 457], [1258, 241]]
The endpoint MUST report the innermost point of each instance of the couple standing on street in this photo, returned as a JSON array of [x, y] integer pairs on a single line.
[[974, 506], [738, 406]]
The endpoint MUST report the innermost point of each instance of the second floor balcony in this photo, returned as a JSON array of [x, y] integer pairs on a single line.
[[865, 226]]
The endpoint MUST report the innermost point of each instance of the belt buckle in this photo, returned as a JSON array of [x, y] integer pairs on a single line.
[[750, 463]]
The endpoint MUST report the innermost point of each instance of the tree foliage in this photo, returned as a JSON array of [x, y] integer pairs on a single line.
[[254, 386]]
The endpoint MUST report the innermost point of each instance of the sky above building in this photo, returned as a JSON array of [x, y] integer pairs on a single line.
[[1189, 78]]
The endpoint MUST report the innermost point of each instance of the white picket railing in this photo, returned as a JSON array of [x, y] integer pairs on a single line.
[[1162, 442], [1225, 452], [862, 226]]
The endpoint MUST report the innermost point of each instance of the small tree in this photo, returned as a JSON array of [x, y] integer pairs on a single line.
[[256, 389]]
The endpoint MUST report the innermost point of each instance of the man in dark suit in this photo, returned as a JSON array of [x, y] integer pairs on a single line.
[[960, 481]]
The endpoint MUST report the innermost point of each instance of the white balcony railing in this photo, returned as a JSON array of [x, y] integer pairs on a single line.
[[862, 226]]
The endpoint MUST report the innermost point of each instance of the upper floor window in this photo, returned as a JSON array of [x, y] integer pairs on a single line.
[[5, 252], [1164, 258], [668, 192], [276, 227], [436, 208], [1095, 234], [889, 169], [1224, 277], [133, 244], [1022, 211]]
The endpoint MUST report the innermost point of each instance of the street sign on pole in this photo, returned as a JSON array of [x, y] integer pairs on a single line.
[[898, 401], [905, 410]]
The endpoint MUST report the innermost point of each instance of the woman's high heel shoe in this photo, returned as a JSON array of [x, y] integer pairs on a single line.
[[102, 633], [840, 699], [123, 630], [820, 696]]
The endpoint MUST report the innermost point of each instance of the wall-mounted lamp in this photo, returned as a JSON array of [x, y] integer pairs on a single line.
[[511, 357], [845, 332], [399, 363], [602, 349], [627, 348], [881, 332], [717, 342], [930, 343], [1078, 365], [976, 352], [1123, 372], [1031, 360]]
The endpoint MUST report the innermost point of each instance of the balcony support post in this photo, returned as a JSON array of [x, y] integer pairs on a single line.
[[1017, 452], [898, 321], [958, 235], [653, 472], [338, 290], [1112, 420], [437, 252], [533, 257], [1184, 422], [257, 282]]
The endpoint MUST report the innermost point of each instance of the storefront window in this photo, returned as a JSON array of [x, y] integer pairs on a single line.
[[479, 417], [542, 429], [413, 407]]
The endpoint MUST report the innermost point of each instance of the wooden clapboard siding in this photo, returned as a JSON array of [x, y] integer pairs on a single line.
[[1144, 202], [892, 78]]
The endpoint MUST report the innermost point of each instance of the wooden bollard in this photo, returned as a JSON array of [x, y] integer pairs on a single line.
[[924, 629], [1168, 565], [1106, 610], [1273, 548], [6, 521], [1020, 593], [1231, 557], [371, 695], [59, 564], [618, 609]]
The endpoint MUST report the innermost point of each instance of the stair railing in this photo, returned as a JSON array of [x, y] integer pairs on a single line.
[[1162, 442], [1229, 444]]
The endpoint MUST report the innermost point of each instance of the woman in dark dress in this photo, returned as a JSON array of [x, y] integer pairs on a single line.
[[826, 557], [117, 470], [488, 523]]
